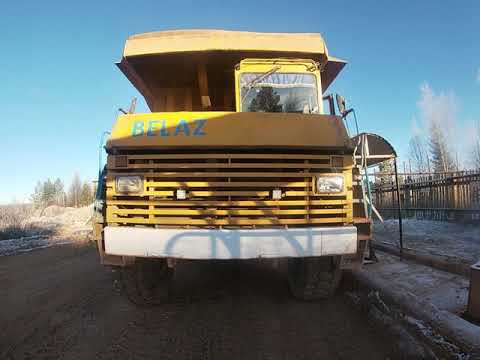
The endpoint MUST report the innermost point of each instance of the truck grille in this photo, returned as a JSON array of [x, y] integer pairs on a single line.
[[227, 190]]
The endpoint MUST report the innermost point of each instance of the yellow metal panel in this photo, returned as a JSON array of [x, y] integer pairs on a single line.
[[349, 194], [228, 129]]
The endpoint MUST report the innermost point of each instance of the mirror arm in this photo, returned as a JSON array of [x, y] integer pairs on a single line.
[[331, 103], [346, 112]]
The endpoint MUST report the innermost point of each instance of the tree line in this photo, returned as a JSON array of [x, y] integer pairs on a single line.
[[53, 192]]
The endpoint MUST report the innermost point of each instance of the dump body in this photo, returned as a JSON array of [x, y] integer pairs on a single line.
[[164, 66], [204, 176]]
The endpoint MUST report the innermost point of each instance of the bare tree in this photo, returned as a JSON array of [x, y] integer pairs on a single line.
[[475, 146], [59, 190], [36, 197], [75, 191], [418, 153]]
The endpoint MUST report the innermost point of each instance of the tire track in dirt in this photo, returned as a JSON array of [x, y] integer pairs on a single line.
[[248, 315]]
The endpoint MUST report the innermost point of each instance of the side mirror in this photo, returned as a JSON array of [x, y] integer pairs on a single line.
[[341, 104]]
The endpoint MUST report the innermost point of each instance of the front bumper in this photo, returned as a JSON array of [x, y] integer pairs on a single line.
[[230, 244]]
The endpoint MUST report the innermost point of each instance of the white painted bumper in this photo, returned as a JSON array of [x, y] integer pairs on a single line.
[[230, 244]]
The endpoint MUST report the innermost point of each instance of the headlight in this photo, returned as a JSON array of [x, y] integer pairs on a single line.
[[129, 184], [329, 184]]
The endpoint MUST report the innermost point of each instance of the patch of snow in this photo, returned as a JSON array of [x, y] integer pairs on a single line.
[[459, 241], [436, 338], [444, 290]]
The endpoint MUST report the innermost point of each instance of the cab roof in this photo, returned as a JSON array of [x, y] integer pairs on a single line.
[[175, 41]]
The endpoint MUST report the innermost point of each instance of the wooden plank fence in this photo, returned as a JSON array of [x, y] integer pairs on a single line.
[[437, 196]]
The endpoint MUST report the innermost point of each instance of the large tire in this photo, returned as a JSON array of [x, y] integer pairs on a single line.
[[147, 282], [314, 278]]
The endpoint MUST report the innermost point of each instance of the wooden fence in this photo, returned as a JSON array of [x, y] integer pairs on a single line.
[[438, 196]]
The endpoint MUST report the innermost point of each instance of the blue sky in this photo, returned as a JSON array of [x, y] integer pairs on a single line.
[[60, 89]]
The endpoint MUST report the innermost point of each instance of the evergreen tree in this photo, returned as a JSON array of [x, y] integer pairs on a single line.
[[48, 193], [266, 101], [86, 194], [387, 168], [36, 197]]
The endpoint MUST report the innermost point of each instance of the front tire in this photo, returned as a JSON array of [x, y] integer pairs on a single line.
[[147, 282], [314, 278]]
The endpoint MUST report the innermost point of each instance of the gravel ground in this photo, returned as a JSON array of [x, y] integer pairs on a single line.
[[460, 242], [61, 303]]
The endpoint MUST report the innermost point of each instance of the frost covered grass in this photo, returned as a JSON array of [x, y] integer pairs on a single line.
[[14, 222], [23, 228], [453, 240]]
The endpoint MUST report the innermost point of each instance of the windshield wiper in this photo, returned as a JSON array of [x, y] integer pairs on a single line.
[[251, 84]]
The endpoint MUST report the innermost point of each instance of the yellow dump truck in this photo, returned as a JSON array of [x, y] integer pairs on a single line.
[[238, 159]]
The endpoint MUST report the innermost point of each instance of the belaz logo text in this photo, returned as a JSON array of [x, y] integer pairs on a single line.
[[160, 128]]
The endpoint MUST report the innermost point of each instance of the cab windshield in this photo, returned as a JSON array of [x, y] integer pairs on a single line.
[[278, 92]]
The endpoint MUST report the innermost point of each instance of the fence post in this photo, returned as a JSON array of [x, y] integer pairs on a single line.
[[399, 208]]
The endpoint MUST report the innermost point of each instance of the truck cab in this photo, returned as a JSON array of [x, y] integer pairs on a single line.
[[278, 85], [235, 161]]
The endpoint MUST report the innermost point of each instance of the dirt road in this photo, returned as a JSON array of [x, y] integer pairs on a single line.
[[60, 303]]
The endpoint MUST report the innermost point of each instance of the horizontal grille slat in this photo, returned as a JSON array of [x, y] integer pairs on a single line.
[[197, 184], [232, 165], [201, 194], [225, 203], [225, 212], [224, 222], [215, 174], [302, 157]]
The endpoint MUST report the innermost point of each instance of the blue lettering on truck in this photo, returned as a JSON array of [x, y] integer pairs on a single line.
[[159, 128], [199, 127]]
